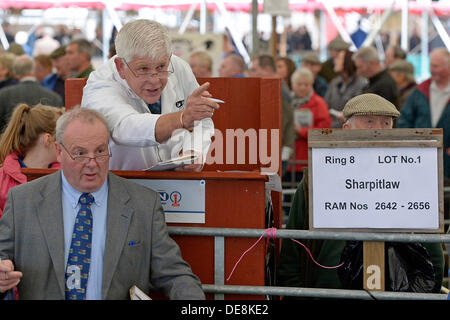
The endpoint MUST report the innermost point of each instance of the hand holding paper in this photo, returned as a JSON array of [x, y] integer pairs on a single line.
[[174, 163]]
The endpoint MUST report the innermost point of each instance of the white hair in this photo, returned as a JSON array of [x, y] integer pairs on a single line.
[[302, 73], [77, 113], [143, 38]]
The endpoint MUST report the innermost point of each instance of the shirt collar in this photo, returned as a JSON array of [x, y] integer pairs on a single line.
[[434, 87], [100, 196]]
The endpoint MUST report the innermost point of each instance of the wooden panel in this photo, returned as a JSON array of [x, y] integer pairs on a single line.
[[74, 91], [232, 200], [250, 104], [374, 265]]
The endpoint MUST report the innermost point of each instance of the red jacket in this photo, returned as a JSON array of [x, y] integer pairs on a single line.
[[11, 176], [321, 119]]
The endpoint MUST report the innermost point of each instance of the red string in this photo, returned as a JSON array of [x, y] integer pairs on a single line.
[[272, 234], [312, 258]]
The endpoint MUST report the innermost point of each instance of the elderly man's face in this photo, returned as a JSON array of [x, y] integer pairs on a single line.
[[439, 68], [368, 122], [82, 138], [148, 87]]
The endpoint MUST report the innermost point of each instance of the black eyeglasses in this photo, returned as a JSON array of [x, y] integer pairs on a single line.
[[102, 157], [143, 72]]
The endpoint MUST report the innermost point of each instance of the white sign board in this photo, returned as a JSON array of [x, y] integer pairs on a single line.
[[277, 8], [381, 188], [183, 201]]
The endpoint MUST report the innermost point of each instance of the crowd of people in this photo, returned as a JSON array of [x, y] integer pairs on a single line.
[[144, 105]]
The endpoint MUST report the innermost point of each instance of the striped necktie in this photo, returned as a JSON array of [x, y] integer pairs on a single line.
[[79, 260]]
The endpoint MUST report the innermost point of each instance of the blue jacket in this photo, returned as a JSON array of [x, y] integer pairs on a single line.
[[415, 113]]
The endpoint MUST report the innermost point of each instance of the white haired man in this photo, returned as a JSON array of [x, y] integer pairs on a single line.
[[150, 98]]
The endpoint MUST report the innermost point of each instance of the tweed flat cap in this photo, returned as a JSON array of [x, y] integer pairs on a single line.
[[402, 66], [338, 44], [369, 104], [311, 57]]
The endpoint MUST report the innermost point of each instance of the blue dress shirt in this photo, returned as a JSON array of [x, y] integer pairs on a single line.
[[70, 205]]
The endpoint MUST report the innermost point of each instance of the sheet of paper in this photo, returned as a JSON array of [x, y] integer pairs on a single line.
[[173, 163]]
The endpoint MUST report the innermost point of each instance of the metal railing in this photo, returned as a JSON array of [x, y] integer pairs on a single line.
[[219, 289]]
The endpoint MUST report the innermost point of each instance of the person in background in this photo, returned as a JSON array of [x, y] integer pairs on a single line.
[[16, 49], [428, 105], [63, 72], [28, 90], [78, 56], [285, 68], [394, 53], [6, 72], [201, 64], [233, 65], [155, 108], [83, 233], [296, 269], [46, 43], [403, 73], [27, 142], [334, 47], [43, 67], [310, 112], [342, 88], [368, 65], [264, 66], [311, 61]]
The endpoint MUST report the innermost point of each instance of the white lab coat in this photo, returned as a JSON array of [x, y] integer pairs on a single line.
[[132, 125]]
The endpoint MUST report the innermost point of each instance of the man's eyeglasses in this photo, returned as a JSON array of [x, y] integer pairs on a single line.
[[102, 157], [144, 71]]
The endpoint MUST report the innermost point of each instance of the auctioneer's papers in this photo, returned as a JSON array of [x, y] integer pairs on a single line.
[[138, 294], [173, 163]]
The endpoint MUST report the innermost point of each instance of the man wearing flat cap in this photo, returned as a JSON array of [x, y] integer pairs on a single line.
[[334, 47], [311, 61], [296, 269], [403, 74]]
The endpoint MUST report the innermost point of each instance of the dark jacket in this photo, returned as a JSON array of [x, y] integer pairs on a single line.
[[415, 113], [29, 92], [383, 85]]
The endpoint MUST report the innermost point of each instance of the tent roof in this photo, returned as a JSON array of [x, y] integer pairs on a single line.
[[361, 6]]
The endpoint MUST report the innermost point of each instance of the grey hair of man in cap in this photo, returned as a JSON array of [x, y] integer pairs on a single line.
[[369, 111]]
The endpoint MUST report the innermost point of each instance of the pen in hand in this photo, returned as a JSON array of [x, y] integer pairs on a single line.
[[216, 100]]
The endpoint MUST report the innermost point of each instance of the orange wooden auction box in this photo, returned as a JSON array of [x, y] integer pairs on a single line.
[[234, 189]]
